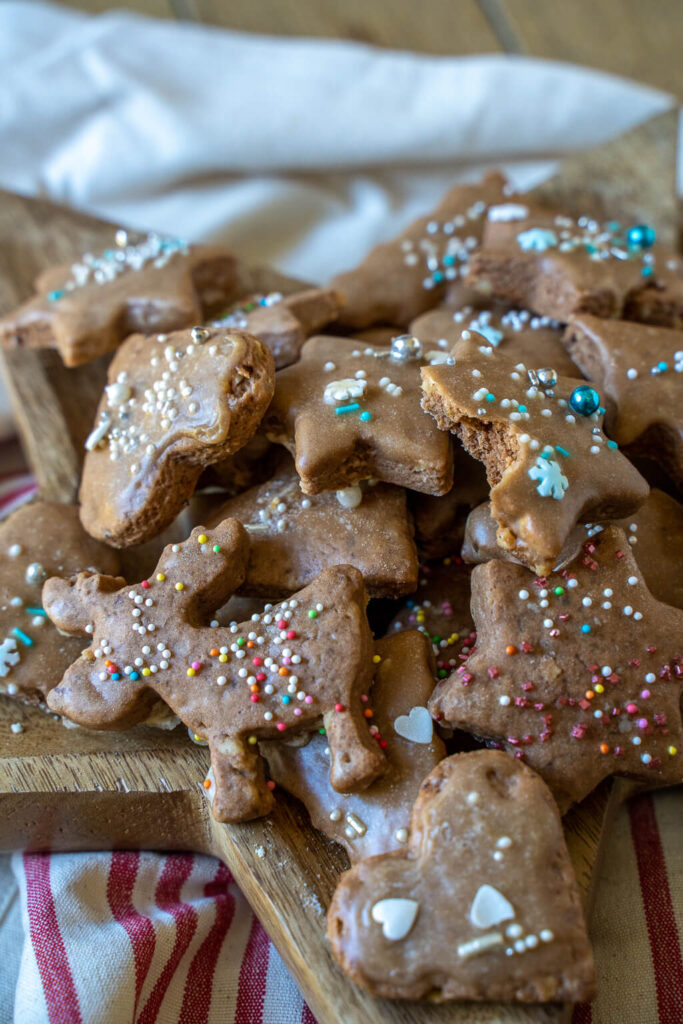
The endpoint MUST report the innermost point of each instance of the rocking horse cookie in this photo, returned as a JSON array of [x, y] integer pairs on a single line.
[[299, 664]]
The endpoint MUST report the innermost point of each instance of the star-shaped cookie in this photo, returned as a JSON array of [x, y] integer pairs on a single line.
[[378, 819], [400, 279], [483, 903], [349, 411], [40, 540], [294, 537], [640, 369], [151, 285], [539, 435], [283, 322], [174, 404], [655, 533], [579, 673], [301, 664], [543, 260], [517, 333]]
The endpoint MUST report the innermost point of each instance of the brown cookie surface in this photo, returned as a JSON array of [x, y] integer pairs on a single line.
[[155, 284], [40, 540], [579, 674], [640, 368], [654, 532], [547, 459], [558, 266], [301, 662], [482, 905], [378, 819], [294, 536], [174, 404], [400, 279], [283, 322], [517, 333], [348, 411]]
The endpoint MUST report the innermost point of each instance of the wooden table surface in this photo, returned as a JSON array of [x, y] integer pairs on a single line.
[[628, 37]]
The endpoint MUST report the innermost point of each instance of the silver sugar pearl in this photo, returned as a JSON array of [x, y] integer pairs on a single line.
[[200, 335], [405, 348], [121, 238], [35, 573], [544, 378]]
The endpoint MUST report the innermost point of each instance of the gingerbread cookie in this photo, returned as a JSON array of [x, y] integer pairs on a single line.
[[539, 435], [558, 267], [440, 609], [174, 404], [480, 543], [283, 322], [440, 521], [579, 674], [483, 904], [349, 411], [293, 537], [302, 662], [155, 284], [655, 533], [517, 333], [400, 279], [40, 540], [378, 819], [639, 368]]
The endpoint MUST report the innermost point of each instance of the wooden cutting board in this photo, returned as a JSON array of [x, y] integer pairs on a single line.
[[73, 789]]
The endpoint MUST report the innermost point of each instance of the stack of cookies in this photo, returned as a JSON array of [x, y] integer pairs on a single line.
[[391, 545]]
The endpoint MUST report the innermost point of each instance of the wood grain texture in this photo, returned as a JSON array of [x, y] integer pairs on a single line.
[[626, 37], [74, 789], [435, 26]]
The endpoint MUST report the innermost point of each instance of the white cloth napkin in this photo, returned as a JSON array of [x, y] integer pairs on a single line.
[[298, 152]]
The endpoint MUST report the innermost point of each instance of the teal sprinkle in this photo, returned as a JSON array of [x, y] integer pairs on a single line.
[[341, 410], [56, 294], [662, 367], [590, 247], [562, 451], [437, 277], [109, 254], [613, 225], [585, 629], [490, 397], [601, 411], [646, 271], [522, 408], [365, 416], [37, 611], [612, 445], [24, 637], [448, 261], [286, 699]]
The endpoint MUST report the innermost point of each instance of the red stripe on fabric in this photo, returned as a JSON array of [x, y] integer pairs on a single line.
[[308, 1018], [61, 998], [583, 1014], [253, 975], [17, 496], [199, 984], [123, 872], [659, 912], [176, 872]]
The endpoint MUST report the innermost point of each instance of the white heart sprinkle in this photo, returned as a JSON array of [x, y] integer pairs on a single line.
[[490, 907], [397, 917], [417, 726]]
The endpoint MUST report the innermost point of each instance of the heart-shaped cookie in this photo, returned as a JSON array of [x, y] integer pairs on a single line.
[[482, 904], [416, 726]]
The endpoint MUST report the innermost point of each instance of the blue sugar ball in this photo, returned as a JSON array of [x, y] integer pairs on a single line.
[[584, 400], [641, 236]]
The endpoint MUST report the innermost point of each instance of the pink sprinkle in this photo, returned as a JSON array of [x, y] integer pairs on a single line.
[[196, 665], [364, 698], [308, 699], [282, 624], [257, 661], [642, 723], [281, 726], [644, 694], [261, 677], [291, 634], [254, 698], [145, 584], [632, 709], [286, 661], [297, 712]]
